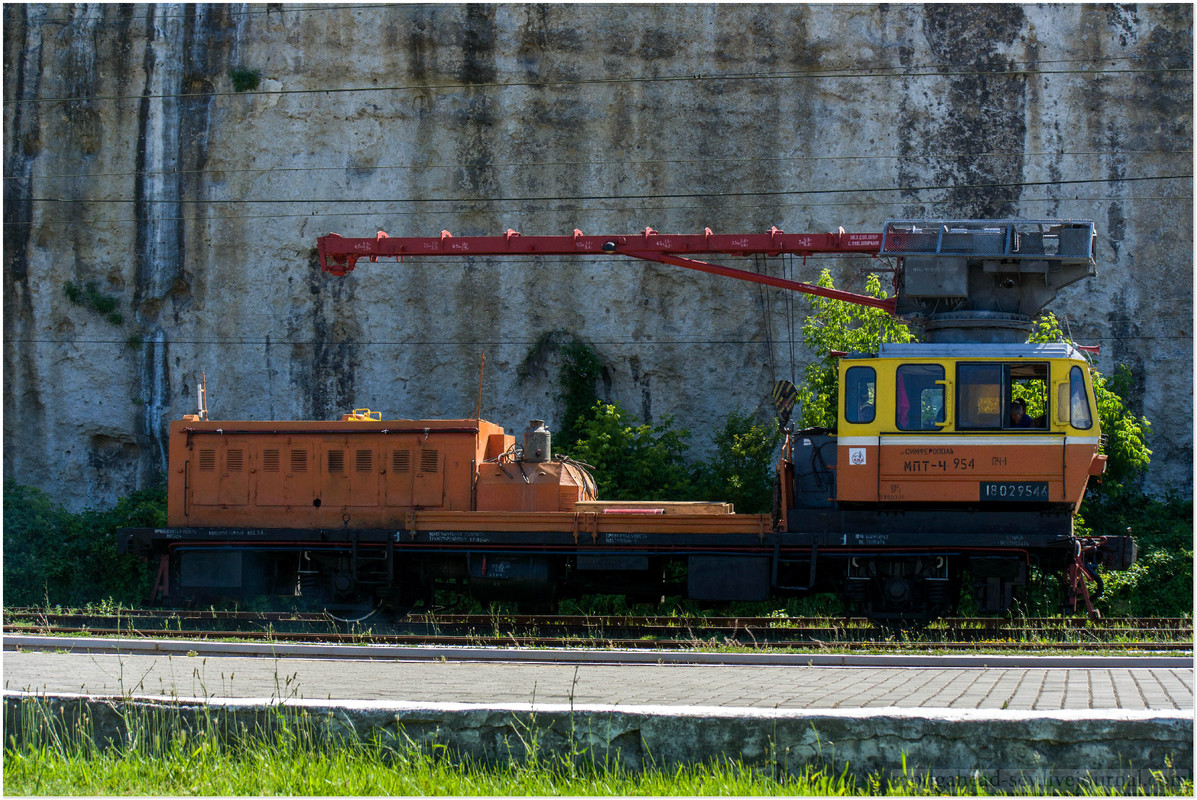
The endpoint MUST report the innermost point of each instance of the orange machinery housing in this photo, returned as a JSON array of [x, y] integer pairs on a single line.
[[355, 473]]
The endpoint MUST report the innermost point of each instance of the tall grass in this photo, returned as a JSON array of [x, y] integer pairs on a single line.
[[60, 748]]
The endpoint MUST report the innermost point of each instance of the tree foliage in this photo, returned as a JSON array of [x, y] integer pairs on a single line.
[[741, 469], [837, 325], [1160, 583], [633, 461], [638, 461], [1124, 433]]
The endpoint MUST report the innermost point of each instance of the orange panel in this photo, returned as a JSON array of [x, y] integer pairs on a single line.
[[398, 481], [313, 474], [428, 480], [269, 489], [953, 468], [856, 470]]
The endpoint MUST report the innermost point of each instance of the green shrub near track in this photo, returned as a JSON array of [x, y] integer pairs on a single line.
[[54, 557]]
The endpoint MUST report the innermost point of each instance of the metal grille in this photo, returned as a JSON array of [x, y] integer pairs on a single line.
[[207, 460], [429, 460], [336, 461], [401, 461], [364, 460]]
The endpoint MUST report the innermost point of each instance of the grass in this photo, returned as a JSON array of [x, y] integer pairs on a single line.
[[53, 750]]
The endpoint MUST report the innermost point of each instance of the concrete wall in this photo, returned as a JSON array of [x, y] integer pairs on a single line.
[[132, 162], [1124, 751]]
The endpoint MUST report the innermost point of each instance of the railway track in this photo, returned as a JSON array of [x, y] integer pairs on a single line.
[[619, 632]]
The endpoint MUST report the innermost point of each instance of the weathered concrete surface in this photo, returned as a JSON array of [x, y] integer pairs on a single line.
[[131, 162], [1002, 746]]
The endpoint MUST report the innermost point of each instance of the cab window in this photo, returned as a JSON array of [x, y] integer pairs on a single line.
[[1008, 396], [1082, 417], [920, 397], [1027, 398], [980, 395], [860, 395]]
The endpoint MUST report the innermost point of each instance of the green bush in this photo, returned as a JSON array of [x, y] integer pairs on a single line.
[[89, 296], [55, 557], [1160, 584], [741, 470], [634, 462]]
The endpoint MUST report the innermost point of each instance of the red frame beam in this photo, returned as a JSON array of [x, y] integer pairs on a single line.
[[339, 255]]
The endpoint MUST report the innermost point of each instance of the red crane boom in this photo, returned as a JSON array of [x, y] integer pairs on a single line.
[[339, 255]]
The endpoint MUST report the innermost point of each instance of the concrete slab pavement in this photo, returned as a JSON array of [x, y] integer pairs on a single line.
[[1001, 720]]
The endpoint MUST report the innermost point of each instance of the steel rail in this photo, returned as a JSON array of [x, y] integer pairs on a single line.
[[1160, 624], [763, 635], [626, 632], [538, 641]]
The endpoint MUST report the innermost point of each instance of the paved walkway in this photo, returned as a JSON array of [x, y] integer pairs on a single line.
[[731, 686]]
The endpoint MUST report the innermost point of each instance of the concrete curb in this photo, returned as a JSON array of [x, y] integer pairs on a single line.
[[1002, 747], [77, 644]]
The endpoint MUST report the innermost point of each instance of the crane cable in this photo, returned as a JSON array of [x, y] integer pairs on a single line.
[[766, 305], [788, 272]]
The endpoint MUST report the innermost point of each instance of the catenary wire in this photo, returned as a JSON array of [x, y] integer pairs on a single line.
[[302, 9], [478, 342], [297, 9], [659, 196], [603, 163], [841, 74]]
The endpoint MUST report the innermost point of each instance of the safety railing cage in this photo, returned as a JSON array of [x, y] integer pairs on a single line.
[[1057, 240]]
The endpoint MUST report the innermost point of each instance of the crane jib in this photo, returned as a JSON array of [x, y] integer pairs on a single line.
[[339, 255]]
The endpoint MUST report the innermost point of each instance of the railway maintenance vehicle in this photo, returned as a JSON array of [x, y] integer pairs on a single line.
[[956, 464]]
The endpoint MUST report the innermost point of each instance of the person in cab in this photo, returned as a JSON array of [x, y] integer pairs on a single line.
[[1018, 415]]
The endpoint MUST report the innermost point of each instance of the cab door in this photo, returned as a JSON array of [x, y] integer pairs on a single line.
[[916, 462], [857, 442]]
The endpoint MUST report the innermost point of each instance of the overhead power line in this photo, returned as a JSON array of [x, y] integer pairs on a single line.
[[539, 165], [863, 73], [480, 342], [458, 201]]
